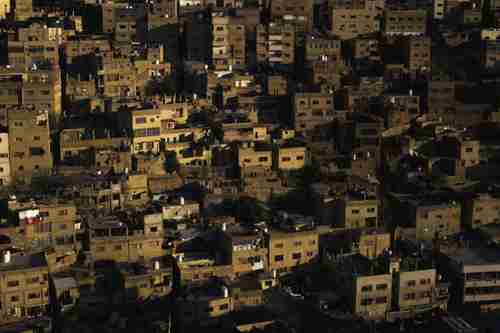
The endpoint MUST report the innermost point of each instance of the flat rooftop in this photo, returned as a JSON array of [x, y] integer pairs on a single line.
[[24, 261], [473, 256]]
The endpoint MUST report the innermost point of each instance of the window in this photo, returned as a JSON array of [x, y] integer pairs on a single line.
[[33, 295], [36, 138], [409, 296], [278, 258], [224, 307], [300, 158], [366, 301], [285, 159], [62, 212], [36, 151], [371, 210], [381, 300], [279, 246], [297, 243], [411, 283], [12, 284], [19, 139], [296, 256], [309, 254], [366, 288], [312, 242], [355, 211], [140, 120], [262, 159], [32, 280], [425, 281], [381, 286]]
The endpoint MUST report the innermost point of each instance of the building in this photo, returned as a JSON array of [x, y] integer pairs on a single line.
[[255, 156], [479, 210], [351, 23], [181, 210], [276, 43], [405, 22], [290, 156], [244, 249], [51, 224], [295, 9], [357, 210], [140, 281], [5, 177], [431, 218], [312, 111], [228, 42], [319, 46], [110, 239], [204, 305], [24, 286], [473, 273], [30, 155], [490, 53], [418, 54], [291, 249]]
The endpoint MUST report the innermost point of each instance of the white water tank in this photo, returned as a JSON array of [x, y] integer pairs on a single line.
[[157, 265], [182, 201], [224, 226], [6, 257], [225, 291]]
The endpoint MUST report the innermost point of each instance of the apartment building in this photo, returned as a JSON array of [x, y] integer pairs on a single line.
[[357, 210], [418, 54], [261, 183], [390, 288], [228, 42], [365, 161], [367, 287], [22, 55], [4, 159], [277, 85], [23, 9], [351, 23], [244, 249], [490, 54], [480, 209], [255, 155], [466, 150], [116, 75], [30, 155], [247, 131], [474, 274], [42, 89], [430, 218], [318, 46], [441, 95], [289, 156], [181, 209], [153, 278], [24, 286], [405, 22], [111, 239], [365, 48], [291, 249], [276, 43], [81, 46], [46, 223], [312, 110], [326, 72], [295, 9], [205, 305]]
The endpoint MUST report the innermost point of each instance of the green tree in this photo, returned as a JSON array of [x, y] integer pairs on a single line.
[[165, 86]]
